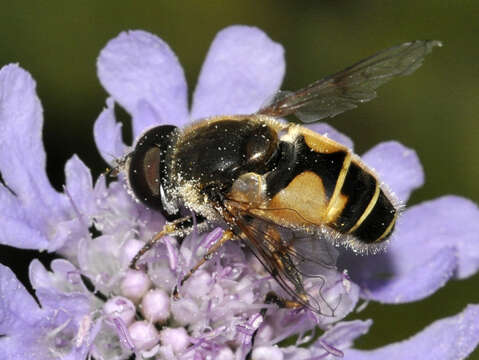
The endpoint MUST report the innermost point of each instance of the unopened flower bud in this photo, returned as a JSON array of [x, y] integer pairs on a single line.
[[155, 306], [120, 307], [143, 335], [135, 284], [176, 337]]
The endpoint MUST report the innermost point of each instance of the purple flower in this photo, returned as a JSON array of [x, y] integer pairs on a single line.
[[91, 304]]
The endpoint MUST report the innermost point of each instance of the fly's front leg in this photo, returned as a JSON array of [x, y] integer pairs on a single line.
[[227, 235], [183, 225]]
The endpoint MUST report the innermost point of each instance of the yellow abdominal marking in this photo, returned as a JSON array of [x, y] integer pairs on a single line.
[[338, 201], [306, 196], [320, 143], [388, 230]]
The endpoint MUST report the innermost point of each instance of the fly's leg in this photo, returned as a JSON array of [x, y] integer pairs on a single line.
[[183, 225], [227, 235], [272, 298]]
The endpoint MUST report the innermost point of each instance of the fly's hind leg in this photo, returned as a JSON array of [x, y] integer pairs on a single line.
[[179, 226], [272, 298]]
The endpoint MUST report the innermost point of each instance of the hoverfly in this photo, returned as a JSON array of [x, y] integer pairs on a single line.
[[279, 187]]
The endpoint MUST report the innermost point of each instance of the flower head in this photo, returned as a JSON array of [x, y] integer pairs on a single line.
[[92, 304]]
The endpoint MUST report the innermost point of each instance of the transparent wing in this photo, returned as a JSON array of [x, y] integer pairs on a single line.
[[290, 257], [356, 84]]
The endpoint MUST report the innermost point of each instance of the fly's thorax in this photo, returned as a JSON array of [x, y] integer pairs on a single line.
[[190, 194], [212, 154]]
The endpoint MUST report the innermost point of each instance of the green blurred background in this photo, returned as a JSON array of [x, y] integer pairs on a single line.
[[434, 111]]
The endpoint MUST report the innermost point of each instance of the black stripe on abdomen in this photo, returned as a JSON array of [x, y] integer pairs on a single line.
[[359, 187], [377, 222]]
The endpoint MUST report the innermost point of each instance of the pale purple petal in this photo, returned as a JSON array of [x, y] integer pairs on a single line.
[[332, 133], [67, 326], [452, 338], [15, 231], [145, 119], [345, 332], [432, 242], [22, 156], [55, 290], [18, 309], [410, 279], [13, 348], [442, 222], [138, 67], [331, 344], [397, 166], [28, 213], [25, 328], [64, 276], [244, 67], [83, 204], [79, 186], [107, 134]]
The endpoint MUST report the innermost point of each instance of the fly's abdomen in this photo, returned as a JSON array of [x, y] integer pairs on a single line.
[[320, 182], [358, 189], [379, 222], [367, 212]]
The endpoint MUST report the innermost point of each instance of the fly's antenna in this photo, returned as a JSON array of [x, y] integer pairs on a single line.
[[118, 165]]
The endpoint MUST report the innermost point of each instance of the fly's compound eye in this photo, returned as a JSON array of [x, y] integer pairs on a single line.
[[148, 168]]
